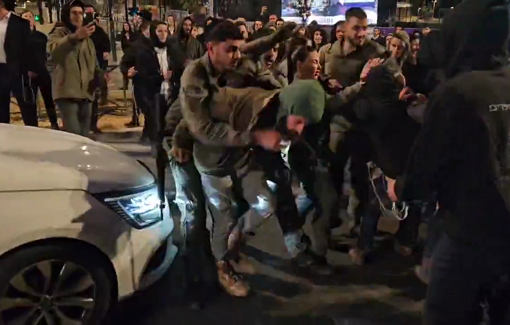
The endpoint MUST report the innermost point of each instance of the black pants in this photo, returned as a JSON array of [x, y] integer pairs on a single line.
[[146, 101], [462, 275], [43, 83], [355, 147], [26, 100], [100, 96]]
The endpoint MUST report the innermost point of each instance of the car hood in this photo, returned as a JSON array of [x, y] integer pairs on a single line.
[[34, 159]]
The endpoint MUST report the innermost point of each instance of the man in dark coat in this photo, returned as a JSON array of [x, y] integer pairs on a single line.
[[462, 156], [17, 64]]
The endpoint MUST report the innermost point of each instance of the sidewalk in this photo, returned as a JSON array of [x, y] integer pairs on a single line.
[[112, 117]]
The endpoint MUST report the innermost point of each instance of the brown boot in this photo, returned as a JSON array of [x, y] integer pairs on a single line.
[[241, 263], [357, 256], [233, 283]]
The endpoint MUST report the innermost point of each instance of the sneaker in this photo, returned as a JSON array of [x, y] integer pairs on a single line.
[[54, 126], [231, 282], [358, 256]]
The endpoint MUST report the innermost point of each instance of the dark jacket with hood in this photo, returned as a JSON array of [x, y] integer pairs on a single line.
[[143, 57], [74, 60], [463, 151], [188, 44]]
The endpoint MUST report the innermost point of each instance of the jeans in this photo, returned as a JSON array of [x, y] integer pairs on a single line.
[[224, 194], [76, 115], [190, 199], [321, 197], [346, 145], [408, 228], [461, 274], [434, 231], [228, 197]]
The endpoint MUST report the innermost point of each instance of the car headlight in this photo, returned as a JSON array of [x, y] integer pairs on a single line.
[[140, 210]]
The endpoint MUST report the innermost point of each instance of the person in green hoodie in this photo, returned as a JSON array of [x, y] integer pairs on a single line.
[[73, 53]]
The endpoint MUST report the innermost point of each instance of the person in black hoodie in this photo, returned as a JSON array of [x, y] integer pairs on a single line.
[[43, 80], [462, 155], [151, 74], [188, 44], [380, 114]]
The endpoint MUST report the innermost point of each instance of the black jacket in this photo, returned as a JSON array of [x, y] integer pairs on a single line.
[[125, 43], [188, 44], [379, 113], [463, 151], [142, 56], [38, 43], [21, 57], [102, 45]]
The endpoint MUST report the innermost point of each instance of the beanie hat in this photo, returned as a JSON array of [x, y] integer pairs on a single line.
[[304, 98]]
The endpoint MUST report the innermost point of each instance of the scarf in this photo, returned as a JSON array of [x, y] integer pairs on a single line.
[[162, 55]]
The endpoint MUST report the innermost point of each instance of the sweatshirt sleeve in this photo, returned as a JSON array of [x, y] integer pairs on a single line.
[[261, 45], [432, 150], [196, 98], [60, 45]]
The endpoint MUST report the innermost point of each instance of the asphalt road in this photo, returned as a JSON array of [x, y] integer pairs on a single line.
[[382, 292]]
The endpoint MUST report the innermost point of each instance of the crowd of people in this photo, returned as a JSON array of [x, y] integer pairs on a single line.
[[417, 125]]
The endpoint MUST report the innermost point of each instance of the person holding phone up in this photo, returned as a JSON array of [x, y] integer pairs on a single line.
[[74, 55]]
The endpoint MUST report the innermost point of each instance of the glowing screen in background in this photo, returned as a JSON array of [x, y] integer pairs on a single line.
[[328, 12]]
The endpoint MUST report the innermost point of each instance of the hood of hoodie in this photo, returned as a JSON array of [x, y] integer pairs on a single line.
[[180, 31], [66, 13], [474, 36]]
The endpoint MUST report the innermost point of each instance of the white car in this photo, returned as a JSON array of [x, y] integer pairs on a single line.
[[81, 226]]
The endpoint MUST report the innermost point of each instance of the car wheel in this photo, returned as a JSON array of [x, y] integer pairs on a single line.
[[54, 284]]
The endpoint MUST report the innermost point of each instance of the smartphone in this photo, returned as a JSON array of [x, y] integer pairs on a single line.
[[88, 18]]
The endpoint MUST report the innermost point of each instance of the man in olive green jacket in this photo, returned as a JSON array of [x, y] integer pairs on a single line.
[[73, 53]]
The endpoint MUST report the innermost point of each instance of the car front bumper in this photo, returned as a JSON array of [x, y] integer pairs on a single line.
[[144, 255]]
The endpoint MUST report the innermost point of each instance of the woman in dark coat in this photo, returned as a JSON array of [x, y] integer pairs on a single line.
[[158, 63], [127, 37]]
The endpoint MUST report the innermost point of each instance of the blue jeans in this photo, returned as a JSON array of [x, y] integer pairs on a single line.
[[76, 115], [320, 197], [190, 199], [408, 228]]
